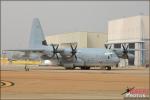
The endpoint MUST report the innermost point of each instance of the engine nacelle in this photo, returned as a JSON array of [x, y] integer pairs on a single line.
[[66, 53], [48, 53]]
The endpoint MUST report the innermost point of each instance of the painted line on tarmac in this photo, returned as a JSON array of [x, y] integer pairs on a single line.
[[6, 83]]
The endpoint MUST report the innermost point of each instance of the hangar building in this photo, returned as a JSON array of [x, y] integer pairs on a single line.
[[133, 31], [83, 39]]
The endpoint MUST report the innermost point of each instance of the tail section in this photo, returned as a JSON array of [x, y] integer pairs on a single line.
[[37, 38]]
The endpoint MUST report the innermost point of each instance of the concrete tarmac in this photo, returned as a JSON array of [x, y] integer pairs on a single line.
[[57, 83]]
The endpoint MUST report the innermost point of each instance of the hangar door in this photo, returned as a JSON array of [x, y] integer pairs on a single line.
[[131, 46]]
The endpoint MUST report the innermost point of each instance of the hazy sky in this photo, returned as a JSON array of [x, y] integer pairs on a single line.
[[61, 16]]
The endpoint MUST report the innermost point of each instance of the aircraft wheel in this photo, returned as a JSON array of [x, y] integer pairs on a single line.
[[73, 68], [87, 68], [84, 68], [107, 67], [117, 65], [69, 68]]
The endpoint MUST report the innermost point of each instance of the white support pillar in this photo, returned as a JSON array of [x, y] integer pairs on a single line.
[[137, 60]]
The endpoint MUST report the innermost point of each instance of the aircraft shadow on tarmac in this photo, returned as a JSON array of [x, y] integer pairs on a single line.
[[116, 69]]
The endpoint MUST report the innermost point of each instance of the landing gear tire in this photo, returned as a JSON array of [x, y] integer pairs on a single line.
[[70, 68], [84, 68], [117, 65], [87, 68], [107, 68]]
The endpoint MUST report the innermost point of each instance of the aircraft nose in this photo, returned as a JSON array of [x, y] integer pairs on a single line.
[[117, 60]]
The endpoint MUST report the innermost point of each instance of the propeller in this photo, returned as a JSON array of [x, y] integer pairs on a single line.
[[125, 51], [74, 50], [106, 46], [55, 51]]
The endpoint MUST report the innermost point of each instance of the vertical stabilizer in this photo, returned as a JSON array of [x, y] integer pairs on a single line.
[[37, 38]]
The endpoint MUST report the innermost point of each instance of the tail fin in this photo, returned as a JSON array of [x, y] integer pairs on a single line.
[[37, 38]]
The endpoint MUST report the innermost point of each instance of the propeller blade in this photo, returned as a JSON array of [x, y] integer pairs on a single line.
[[71, 46], [57, 57], [123, 47], [53, 46], [76, 57], [106, 46], [127, 47], [55, 50], [110, 47], [73, 50], [125, 51], [56, 47], [75, 47]]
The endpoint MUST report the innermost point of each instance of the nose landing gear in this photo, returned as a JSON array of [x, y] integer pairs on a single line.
[[108, 67]]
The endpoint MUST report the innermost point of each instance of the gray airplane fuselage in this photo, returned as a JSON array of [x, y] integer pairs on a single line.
[[90, 57], [96, 57]]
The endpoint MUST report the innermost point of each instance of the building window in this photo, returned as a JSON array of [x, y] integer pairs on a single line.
[[117, 45], [132, 45]]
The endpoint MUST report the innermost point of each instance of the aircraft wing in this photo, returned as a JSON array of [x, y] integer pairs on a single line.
[[27, 50], [27, 53], [115, 49]]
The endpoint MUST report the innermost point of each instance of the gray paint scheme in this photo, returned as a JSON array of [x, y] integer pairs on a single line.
[[87, 57]]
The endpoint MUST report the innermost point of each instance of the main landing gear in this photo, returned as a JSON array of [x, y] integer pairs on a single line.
[[107, 67], [84, 68], [70, 68]]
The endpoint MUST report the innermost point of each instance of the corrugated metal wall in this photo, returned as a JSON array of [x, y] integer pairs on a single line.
[[84, 39]]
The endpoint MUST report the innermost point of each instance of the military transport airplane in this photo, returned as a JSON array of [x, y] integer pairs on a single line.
[[70, 58]]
